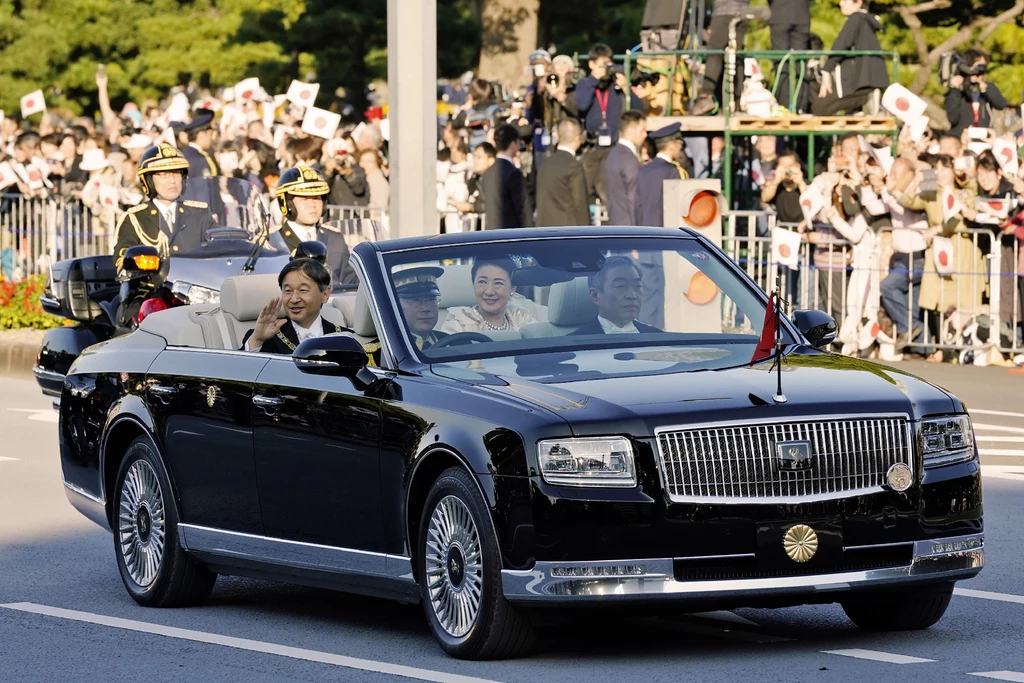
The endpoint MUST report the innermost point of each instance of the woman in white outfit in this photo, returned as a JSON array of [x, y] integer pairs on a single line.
[[498, 307]]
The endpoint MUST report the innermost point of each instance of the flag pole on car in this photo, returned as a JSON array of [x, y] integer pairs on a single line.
[[770, 343]]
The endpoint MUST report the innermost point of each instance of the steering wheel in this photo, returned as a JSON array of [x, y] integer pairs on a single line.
[[460, 338]]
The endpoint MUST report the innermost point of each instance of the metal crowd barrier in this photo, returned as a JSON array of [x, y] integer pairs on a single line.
[[35, 232]]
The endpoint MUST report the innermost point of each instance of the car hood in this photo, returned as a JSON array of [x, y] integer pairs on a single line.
[[814, 384]]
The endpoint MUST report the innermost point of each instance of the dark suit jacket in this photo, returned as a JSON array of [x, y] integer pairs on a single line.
[[286, 335], [338, 256], [594, 327], [650, 191], [620, 171], [200, 164], [144, 224], [505, 202], [562, 191]]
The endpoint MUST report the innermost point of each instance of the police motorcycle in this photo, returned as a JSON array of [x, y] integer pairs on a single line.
[[232, 235]]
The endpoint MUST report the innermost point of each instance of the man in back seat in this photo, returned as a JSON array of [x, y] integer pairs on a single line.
[[618, 292], [305, 287]]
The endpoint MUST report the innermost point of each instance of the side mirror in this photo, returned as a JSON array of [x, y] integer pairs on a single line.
[[817, 327], [334, 354], [312, 249], [140, 260]]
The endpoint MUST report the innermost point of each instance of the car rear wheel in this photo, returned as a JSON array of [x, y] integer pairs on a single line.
[[900, 610], [154, 568], [460, 575]]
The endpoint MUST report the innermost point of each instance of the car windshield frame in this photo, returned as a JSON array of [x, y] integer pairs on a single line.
[[470, 248]]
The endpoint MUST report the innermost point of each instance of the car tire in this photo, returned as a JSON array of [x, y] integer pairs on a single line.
[[155, 570], [903, 610], [463, 600]]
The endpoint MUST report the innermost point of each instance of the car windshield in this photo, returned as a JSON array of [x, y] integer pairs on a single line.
[[571, 308], [235, 218]]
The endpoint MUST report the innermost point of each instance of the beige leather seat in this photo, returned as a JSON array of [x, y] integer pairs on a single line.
[[569, 307], [180, 326]]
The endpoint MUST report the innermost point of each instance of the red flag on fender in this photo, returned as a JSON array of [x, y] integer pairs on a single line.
[[766, 344]]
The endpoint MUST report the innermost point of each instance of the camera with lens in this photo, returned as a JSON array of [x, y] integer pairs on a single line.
[[639, 78], [953, 64]]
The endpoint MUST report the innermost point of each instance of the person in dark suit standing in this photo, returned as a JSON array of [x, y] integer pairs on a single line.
[[305, 287], [650, 192], [561, 183], [621, 169], [790, 26], [618, 292], [504, 187], [200, 145]]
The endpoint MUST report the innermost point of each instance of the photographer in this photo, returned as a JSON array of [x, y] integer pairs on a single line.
[[971, 98], [480, 114], [551, 98], [346, 178], [599, 99]]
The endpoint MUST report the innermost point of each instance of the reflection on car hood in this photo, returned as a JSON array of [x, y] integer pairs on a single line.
[[814, 383], [211, 272]]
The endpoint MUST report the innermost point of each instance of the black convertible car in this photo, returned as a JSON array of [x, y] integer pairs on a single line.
[[553, 417]]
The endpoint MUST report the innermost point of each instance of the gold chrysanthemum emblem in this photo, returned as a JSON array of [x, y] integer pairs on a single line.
[[800, 543]]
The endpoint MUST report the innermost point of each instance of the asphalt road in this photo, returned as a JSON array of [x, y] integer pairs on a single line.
[[65, 616]]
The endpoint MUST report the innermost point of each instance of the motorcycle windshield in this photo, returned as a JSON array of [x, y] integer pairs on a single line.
[[224, 216]]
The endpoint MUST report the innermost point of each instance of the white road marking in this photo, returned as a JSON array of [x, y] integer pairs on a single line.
[[1014, 676], [997, 428], [47, 415], [877, 656], [3, 459], [246, 644], [994, 412], [1003, 472], [1009, 452], [988, 595], [1001, 439]]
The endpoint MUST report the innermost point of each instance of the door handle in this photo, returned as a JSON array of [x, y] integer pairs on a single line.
[[267, 401], [161, 390]]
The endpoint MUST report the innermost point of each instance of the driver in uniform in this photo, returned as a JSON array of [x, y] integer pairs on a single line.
[[301, 195], [161, 221], [418, 296]]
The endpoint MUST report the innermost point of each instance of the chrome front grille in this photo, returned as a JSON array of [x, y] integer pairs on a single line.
[[739, 462]]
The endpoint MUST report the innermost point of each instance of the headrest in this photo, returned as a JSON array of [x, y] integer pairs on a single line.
[[456, 287], [362, 321], [570, 304], [244, 296]]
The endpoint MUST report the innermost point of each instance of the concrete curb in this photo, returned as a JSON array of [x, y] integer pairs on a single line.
[[17, 359]]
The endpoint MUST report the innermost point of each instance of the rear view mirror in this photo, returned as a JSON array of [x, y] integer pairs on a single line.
[[817, 327], [334, 354]]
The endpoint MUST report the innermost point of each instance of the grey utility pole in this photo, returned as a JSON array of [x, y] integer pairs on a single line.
[[412, 116]]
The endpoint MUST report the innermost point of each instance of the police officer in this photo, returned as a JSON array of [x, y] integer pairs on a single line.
[[301, 195], [418, 296], [164, 221], [200, 145]]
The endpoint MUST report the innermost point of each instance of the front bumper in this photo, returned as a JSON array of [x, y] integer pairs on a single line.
[[935, 560]]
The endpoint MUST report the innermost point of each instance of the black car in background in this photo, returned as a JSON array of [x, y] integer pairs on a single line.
[[552, 462]]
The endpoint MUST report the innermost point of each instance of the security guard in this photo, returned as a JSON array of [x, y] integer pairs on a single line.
[[301, 195], [418, 296], [200, 143], [171, 225]]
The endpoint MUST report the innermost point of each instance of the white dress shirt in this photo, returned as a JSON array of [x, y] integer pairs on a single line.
[[167, 211], [305, 233], [611, 328], [632, 148], [567, 149]]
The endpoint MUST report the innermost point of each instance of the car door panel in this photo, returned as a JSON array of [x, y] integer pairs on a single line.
[[202, 403], [317, 458]]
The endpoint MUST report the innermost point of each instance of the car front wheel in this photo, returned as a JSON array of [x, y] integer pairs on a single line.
[[903, 610], [154, 568], [460, 575]]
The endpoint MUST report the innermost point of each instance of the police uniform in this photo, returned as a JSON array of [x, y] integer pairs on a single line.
[[201, 164], [304, 181], [412, 283], [145, 223]]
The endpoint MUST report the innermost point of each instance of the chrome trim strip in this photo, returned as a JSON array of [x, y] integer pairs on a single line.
[[296, 554], [49, 375], [944, 559], [788, 418], [203, 349], [877, 545], [82, 492], [554, 238], [935, 462], [715, 557], [781, 500]]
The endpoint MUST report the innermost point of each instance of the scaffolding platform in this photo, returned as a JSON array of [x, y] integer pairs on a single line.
[[809, 123]]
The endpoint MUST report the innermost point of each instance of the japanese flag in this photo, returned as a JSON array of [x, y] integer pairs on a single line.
[[29, 174], [811, 202], [883, 156], [269, 114], [942, 253], [951, 205], [917, 127], [32, 103], [997, 207], [246, 88], [903, 104], [109, 196], [7, 176], [786, 247], [1006, 155], [303, 94], [320, 122]]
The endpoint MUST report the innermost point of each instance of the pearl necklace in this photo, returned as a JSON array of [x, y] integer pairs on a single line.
[[504, 326]]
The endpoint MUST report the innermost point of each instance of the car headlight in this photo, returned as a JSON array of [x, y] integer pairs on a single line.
[[946, 440], [194, 294], [600, 461]]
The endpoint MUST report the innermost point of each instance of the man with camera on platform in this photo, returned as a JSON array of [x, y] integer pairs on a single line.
[[600, 102], [550, 99], [971, 98]]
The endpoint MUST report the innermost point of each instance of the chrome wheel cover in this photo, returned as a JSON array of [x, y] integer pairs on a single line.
[[141, 529], [454, 566]]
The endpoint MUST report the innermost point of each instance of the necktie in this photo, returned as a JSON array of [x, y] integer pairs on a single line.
[[419, 343]]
